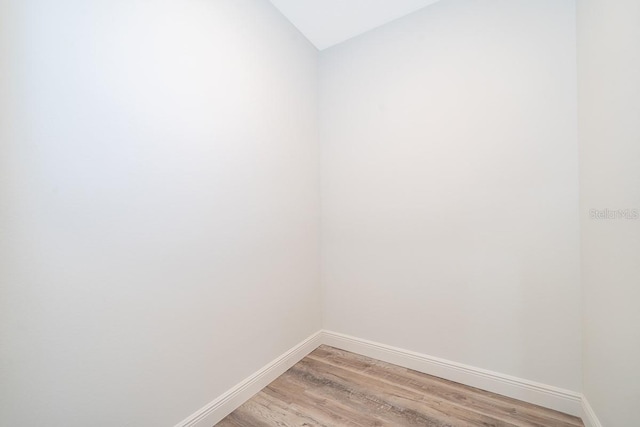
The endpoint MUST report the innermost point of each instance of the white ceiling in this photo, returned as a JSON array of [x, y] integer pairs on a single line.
[[329, 22]]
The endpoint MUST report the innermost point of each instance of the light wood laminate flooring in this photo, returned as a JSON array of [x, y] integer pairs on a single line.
[[331, 387]]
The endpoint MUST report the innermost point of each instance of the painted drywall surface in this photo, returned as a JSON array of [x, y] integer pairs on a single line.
[[450, 187], [160, 207], [609, 137]]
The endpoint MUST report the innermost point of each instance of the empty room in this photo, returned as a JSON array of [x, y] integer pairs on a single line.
[[253, 213]]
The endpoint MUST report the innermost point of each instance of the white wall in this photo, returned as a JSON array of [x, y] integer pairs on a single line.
[[159, 205], [609, 107], [450, 186]]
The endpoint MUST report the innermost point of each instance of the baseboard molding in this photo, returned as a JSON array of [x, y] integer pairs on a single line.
[[589, 418], [215, 411], [540, 394], [529, 391]]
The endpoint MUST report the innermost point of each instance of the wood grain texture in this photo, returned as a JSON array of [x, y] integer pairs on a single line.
[[331, 387]]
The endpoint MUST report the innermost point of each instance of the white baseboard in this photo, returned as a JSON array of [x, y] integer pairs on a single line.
[[215, 411], [589, 418], [551, 397], [528, 391]]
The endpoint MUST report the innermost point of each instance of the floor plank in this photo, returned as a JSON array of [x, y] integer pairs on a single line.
[[332, 387]]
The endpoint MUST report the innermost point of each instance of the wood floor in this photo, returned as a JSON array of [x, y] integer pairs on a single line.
[[332, 387]]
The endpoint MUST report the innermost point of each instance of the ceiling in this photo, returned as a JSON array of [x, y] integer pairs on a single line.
[[329, 22]]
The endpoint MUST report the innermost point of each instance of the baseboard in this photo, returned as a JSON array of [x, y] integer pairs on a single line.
[[215, 411], [551, 397], [528, 391], [589, 418]]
